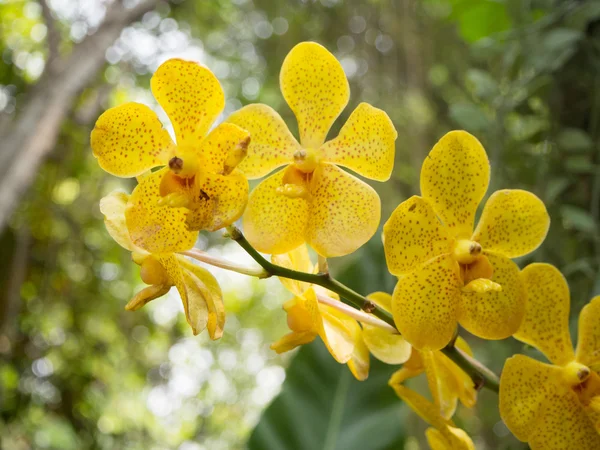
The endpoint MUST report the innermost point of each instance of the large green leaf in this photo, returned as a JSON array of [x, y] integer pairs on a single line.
[[321, 405]]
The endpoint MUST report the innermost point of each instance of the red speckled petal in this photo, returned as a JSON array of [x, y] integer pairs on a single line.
[[366, 144], [344, 212], [271, 145], [413, 235], [425, 303], [513, 223], [274, 223], [495, 314], [129, 140], [157, 229], [588, 343], [546, 322], [454, 178], [314, 84], [191, 96]]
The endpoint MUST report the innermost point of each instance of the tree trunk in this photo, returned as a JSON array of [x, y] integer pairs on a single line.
[[34, 131]]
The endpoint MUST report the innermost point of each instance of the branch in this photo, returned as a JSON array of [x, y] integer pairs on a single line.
[[35, 129], [481, 375], [321, 279], [53, 33]]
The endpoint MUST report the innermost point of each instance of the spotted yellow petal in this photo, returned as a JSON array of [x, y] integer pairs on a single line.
[[217, 200], [129, 139], [315, 87], [524, 385], [220, 143], [425, 303], [205, 308], [539, 408], [191, 96], [297, 259], [546, 322], [366, 144], [513, 223], [588, 342], [564, 425], [273, 222], [413, 235], [271, 146], [157, 229], [113, 208], [495, 314], [385, 346], [454, 178], [344, 212]]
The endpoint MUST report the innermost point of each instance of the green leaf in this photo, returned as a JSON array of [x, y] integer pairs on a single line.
[[556, 186], [578, 218], [322, 406], [480, 19], [482, 84], [574, 140], [580, 164], [469, 116], [523, 127]]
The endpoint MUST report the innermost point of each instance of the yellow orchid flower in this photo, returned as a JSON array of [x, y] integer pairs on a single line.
[[308, 318], [312, 200], [554, 406], [447, 272], [200, 293], [447, 382], [444, 435], [129, 140]]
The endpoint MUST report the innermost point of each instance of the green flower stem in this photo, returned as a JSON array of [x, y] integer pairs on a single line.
[[481, 375], [351, 297]]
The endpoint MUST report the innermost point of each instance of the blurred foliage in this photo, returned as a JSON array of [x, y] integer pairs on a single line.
[[77, 371]]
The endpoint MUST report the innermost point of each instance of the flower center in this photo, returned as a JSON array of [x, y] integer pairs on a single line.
[[466, 251], [306, 160], [295, 183], [575, 373], [185, 164]]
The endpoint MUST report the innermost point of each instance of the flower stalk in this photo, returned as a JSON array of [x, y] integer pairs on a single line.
[[355, 313], [207, 258], [481, 375]]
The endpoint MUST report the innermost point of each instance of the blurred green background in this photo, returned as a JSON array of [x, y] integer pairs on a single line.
[[79, 372]]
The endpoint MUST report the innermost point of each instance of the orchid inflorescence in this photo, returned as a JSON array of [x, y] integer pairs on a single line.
[[449, 271]]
